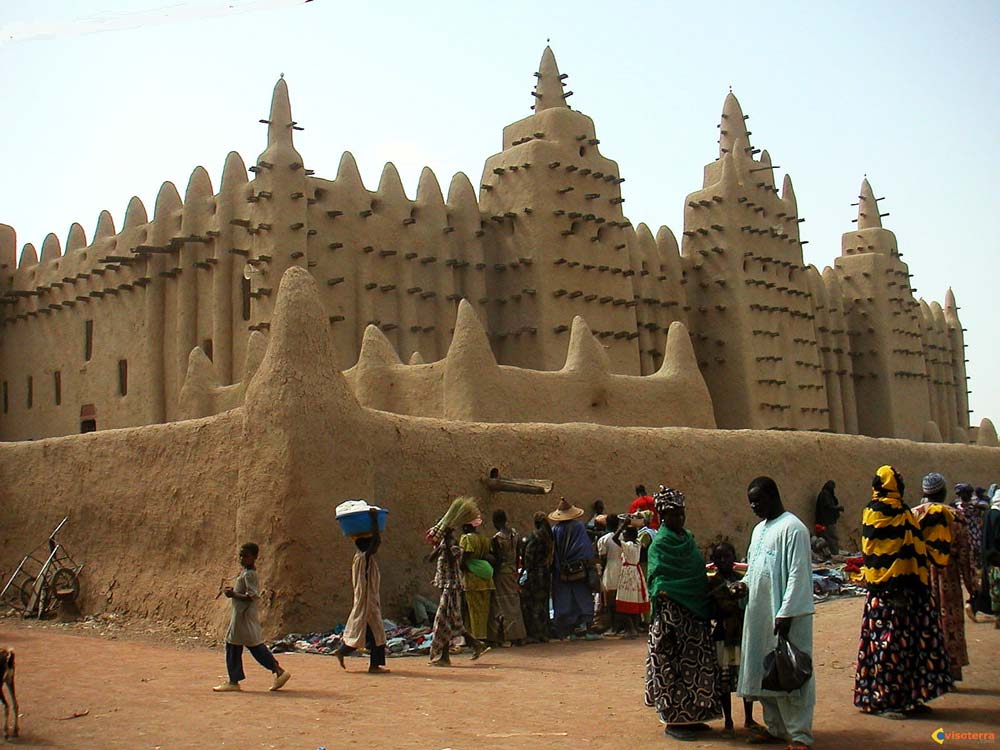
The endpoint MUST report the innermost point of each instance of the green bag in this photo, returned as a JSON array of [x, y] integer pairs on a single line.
[[481, 569]]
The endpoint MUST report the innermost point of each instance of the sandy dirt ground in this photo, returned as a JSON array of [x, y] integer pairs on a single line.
[[151, 691]]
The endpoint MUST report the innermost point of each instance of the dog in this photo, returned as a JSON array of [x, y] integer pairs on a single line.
[[7, 684]]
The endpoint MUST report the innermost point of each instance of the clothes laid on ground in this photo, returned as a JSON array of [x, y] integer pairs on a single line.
[[401, 640], [682, 671], [902, 659], [477, 590], [537, 564], [836, 580], [632, 597], [779, 583], [572, 601], [367, 610], [946, 581], [506, 622]]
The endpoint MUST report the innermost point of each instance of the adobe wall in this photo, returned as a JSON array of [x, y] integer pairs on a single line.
[[160, 509], [152, 513]]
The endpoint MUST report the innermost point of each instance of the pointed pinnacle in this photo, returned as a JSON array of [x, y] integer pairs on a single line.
[[279, 126], [868, 217], [549, 88], [733, 126]]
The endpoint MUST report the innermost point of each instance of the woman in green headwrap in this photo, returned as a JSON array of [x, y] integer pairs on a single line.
[[681, 666]]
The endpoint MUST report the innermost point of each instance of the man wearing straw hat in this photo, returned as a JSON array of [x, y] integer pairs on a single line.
[[572, 598]]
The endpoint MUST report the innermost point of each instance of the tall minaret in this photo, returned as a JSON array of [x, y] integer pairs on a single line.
[[556, 240], [959, 377], [278, 217], [885, 328], [752, 312]]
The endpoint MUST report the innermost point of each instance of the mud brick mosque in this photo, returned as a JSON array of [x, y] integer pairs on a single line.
[[271, 348], [156, 321]]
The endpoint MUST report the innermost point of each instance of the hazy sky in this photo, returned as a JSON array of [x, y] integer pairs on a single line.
[[108, 98]]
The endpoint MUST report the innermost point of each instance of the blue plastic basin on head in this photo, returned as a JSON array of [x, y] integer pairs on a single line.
[[360, 522]]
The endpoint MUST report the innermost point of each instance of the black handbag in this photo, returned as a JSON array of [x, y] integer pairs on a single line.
[[573, 571], [786, 668], [570, 572]]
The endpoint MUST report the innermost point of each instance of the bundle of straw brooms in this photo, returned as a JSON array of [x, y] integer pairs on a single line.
[[463, 510]]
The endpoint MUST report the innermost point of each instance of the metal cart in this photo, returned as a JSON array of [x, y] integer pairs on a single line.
[[46, 576]]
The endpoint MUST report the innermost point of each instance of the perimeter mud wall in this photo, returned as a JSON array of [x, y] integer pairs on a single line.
[[157, 512]]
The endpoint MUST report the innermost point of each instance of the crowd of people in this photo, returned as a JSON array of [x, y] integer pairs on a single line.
[[712, 629]]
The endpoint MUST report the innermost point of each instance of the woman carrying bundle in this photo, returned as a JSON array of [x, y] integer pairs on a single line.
[[448, 622]]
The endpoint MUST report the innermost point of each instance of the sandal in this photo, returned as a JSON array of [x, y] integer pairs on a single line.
[[797, 746], [891, 714], [680, 732], [760, 736]]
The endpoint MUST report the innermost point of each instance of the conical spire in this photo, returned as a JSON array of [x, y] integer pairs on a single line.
[[868, 217], [949, 300], [195, 399], [470, 347], [51, 249], [8, 247], [77, 238], [256, 349], [951, 310], [390, 186], [199, 185], [168, 200], [376, 350], [679, 359], [429, 189], [28, 256], [347, 171], [733, 126], [767, 168], [105, 226], [234, 172], [135, 214], [549, 87], [788, 193], [279, 128], [585, 354]]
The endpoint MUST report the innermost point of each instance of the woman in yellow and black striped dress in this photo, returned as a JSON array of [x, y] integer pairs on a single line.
[[902, 659]]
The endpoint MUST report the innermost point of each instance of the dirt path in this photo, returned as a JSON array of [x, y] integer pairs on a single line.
[[145, 695]]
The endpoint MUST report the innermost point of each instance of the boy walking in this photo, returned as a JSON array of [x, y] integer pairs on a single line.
[[244, 627]]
